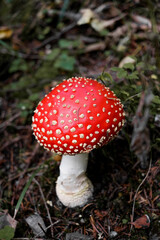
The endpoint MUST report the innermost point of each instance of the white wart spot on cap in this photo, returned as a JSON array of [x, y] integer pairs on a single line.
[[49, 132], [73, 129], [43, 130], [58, 131], [68, 137], [94, 140], [54, 122], [74, 111], [55, 111], [80, 125], [81, 116], [81, 135]]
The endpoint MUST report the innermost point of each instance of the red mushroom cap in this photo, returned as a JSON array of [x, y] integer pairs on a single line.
[[78, 115]]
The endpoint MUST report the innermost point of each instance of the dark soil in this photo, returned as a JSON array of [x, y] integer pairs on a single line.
[[42, 43]]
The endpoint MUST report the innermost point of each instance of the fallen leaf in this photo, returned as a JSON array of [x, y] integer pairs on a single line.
[[144, 23], [118, 32], [36, 223], [122, 46], [99, 24], [7, 226], [140, 142], [57, 157], [142, 222], [5, 32], [7, 220], [87, 15], [76, 236], [114, 11], [95, 47], [100, 214], [126, 60], [90, 17]]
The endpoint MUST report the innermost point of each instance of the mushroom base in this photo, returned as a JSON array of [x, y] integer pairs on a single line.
[[73, 187]]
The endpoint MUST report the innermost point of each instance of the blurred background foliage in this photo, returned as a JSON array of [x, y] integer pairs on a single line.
[[44, 42]]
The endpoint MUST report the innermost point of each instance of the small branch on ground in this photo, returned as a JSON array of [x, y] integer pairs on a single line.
[[135, 196], [48, 213]]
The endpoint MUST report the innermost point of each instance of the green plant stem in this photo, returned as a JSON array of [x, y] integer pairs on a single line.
[[24, 191]]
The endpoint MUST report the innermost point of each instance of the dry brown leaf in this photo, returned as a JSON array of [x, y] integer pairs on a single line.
[[7, 220], [114, 11], [36, 223], [90, 17], [98, 24], [5, 32], [57, 157], [95, 46], [142, 222], [100, 214], [87, 15], [144, 23], [118, 32], [120, 228]]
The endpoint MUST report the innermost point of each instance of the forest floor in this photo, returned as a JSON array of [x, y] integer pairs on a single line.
[[44, 42]]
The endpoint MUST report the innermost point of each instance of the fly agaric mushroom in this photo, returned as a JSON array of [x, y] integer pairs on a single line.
[[78, 115]]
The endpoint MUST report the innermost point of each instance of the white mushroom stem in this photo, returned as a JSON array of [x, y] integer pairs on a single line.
[[73, 187]]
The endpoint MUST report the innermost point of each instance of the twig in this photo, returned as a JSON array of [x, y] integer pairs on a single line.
[[136, 95], [48, 227], [20, 174], [5, 51], [8, 121], [135, 196], [36, 148], [49, 216], [103, 6], [102, 228], [10, 142], [62, 232], [56, 36], [68, 14]]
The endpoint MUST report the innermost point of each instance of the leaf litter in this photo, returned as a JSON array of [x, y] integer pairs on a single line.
[[35, 56]]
